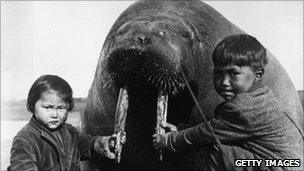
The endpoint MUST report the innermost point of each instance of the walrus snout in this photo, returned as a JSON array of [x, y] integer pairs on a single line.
[[154, 66], [151, 52]]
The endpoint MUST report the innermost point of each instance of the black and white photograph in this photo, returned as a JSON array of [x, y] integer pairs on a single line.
[[152, 85]]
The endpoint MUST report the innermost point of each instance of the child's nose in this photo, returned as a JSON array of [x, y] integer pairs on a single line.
[[226, 80], [54, 113]]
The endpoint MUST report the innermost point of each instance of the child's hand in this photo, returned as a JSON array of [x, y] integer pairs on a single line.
[[159, 141], [169, 127], [103, 144]]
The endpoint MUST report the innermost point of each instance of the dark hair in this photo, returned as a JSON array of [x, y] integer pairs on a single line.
[[241, 50], [46, 83]]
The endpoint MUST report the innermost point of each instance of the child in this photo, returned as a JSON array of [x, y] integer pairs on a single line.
[[47, 142], [251, 123]]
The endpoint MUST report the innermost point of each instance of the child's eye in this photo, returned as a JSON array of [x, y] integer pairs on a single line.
[[48, 107], [235, 73], [63, 108]]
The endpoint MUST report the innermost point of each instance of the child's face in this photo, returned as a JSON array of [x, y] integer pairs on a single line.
[[51, 110], [231, 80]]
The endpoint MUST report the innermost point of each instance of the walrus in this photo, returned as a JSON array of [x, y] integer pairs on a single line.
[[153, 47]]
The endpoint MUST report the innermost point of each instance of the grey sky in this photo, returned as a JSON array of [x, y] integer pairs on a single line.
[[65, 38]]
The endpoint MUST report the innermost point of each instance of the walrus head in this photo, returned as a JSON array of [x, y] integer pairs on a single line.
[[152, 52]]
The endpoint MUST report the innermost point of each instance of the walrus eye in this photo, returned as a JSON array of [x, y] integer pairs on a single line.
[[185, 35], [186, 38]]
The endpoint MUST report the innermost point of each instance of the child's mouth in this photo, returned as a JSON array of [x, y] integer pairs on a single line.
[[227, 94], [54, 122]]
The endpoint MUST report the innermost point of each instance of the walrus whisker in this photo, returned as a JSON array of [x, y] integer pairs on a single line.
[[159, 82], [106, 83], [153, 80], [165, 88], [160, 85], [171, 81], [154, 68], [149, 79], [168, 84]]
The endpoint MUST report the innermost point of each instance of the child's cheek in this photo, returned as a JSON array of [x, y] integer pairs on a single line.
[[64, 117]]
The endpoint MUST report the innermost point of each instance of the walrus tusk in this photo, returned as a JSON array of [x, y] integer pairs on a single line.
[[120, 121], [162, 105]]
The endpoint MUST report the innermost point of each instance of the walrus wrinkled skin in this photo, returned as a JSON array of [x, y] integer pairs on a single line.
[[146, 50]]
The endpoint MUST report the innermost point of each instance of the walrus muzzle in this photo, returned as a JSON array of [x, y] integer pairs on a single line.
[[148, 56], [152, 66]]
